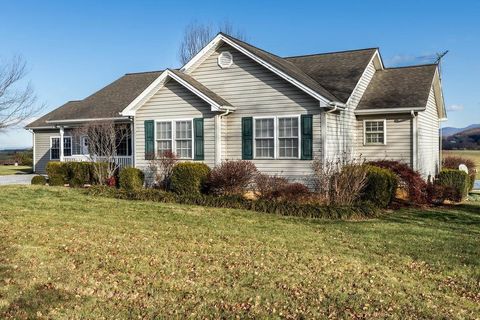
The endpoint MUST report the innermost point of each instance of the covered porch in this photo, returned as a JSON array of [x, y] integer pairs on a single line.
[[70, 146]]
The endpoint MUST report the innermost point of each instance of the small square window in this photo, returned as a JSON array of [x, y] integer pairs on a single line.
[[374, 132]]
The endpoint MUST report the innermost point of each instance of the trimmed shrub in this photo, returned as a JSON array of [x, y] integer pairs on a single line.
[[231, 177], [39, 180], [55, 168], [408, 178], [189, 177], [380, 187], [457, 180], [131, 179], [237, 202], [79, 173], [56, 181], [452, 162]]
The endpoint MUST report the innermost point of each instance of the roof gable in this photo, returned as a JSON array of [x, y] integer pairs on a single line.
[[277, 65], [338, 72], [217, 103]]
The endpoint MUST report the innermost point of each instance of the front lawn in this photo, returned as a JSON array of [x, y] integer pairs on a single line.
[[64, 254], [8, 170]]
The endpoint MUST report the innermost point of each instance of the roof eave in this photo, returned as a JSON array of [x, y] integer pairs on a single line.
[[387, 111]]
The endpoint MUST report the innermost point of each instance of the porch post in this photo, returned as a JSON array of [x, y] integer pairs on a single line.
[[61, 144]]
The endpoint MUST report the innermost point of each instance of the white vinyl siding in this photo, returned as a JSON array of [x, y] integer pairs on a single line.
[[174, 102], [341, 135], [428, 159], [42, 148], [399, 140], [257, 92]]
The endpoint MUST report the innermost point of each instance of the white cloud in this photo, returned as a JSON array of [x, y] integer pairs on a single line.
[[455, 107]]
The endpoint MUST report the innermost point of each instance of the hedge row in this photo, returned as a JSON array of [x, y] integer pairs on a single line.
[[363, 210], [76, 174]]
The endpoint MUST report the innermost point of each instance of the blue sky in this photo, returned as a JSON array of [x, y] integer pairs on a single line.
[[74, 48]]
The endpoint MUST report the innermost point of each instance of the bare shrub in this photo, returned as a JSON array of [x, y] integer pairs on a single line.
[[162, 167], [104, 139], [339, 182], [231, 177], [278, 188], [267, 187]]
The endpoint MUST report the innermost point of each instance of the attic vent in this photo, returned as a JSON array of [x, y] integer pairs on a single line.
[[225, 60]]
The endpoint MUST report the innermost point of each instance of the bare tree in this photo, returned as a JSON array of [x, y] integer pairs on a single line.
[[197, 35], [161, 168], [17, 100], [104, 139]]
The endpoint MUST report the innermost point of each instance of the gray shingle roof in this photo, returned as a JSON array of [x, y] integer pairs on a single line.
[[338, 72], [105, 103], [406, 87], [285, 66], [200, 87]]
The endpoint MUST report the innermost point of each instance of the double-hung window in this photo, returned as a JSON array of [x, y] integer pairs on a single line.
[[288, 137], [175, 136], [277, 137], [67, 146], [265, 138], [183, 139], [55, 148], [374, 132]]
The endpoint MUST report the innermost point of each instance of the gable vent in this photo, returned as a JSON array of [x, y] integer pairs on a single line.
[[225, 60]]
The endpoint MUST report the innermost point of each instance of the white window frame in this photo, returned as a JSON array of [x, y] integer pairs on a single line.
[[71, 145], [59, 147], [276, 141], [365, 132], [174, 134]]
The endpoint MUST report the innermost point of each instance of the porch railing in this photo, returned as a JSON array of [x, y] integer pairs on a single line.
[[121, 161]]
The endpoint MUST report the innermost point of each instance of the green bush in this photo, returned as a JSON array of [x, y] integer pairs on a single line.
[[76, 174], [79, 173], [39, 180], [458, 180], [56, 181], [189, 177], [237, 202], [380, 187], [131, 179]]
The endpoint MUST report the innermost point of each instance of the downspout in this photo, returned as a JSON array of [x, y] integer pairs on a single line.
[[414, 140], [218, 136], [61, 144]]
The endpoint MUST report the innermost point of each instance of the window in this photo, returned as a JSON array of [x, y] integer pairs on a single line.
[[54, 148], [164, 137], [264, 138], [183, 139], [288, 137], [374, 132], [175, 136], [67, 146]]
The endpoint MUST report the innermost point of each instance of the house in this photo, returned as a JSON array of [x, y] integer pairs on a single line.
[[236, 101]]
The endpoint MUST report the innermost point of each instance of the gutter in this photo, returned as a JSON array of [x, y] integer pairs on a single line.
[[387, 111], [85, 120], [335, 105]]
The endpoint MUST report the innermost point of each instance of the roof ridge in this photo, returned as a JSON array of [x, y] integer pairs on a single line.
[[273, 54], [413, 66], [333, 52], [143, 72]]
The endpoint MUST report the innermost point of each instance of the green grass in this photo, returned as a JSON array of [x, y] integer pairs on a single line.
[[67, 255], [474, 155], [8, 170]]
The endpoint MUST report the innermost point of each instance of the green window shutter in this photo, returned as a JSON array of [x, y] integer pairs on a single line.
[[149, 139], [307, 136], [247, 138], [198, 130]]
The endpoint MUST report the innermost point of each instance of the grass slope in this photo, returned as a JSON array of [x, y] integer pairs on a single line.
[[474, 155], [8, 170], [67, 255]]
